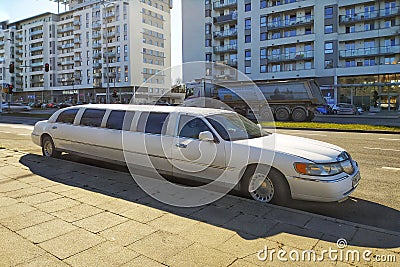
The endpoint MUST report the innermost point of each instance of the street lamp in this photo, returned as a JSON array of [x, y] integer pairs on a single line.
[[106, 4]]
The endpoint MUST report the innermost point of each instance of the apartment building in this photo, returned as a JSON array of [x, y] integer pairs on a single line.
[[96, 44], [351, 47]]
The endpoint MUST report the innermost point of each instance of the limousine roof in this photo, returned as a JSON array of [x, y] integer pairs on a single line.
[[155, 108]]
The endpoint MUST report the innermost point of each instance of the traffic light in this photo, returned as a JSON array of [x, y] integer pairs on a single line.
[[11, 68], [114, 94], [46, 67], [10, 88]]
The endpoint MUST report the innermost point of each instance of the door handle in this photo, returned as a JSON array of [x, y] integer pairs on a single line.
[[54, 127], [181, 145]]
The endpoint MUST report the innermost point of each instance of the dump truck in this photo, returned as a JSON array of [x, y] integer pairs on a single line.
[[286, 100]]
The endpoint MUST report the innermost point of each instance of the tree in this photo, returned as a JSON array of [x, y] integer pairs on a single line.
[[375, 97]]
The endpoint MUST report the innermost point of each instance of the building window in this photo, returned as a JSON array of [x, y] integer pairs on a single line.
[[208, 13], [276, 68], [247, 7], [369, 26], [263, 36], [308, 65], [263, 21], [328, 28], [263, 3], [208, 57], [247, 55], [263, 53], [276, 35], [350, 63], [247, 70], [328, 12], [208, 28], [369, 62], [247, 24], [263, 68], [329, 48], [208, 42], [308, 31], [350, 29], [328, 64], [247, 38], [389, 60]]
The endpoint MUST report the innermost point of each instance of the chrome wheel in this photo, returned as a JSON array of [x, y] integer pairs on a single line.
[[261, 188], [48, 148]]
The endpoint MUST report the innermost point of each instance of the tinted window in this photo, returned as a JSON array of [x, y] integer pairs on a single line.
[[191, 127], [152, 122], [116, 120], [92, 117], [67, 116]]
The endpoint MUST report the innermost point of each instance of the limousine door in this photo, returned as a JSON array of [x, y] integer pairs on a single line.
[[201, 161]]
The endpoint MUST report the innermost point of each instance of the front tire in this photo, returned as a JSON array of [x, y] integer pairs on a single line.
[[48, 148], [266, 188]]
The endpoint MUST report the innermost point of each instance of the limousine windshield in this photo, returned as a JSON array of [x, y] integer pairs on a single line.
[[233, 127]]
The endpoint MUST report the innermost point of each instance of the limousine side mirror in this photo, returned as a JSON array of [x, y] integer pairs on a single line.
[[206, 136]]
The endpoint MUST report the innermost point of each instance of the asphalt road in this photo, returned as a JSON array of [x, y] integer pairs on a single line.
[[376, 201]]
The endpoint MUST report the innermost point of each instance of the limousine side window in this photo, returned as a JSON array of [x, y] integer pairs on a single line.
[[152, 122], [67, 116], [191, 127], [92, 117], [116, 120]]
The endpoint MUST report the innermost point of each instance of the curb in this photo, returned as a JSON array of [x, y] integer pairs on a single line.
[[337, 130]]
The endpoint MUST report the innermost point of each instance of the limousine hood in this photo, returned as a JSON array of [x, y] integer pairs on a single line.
[[306, 148]]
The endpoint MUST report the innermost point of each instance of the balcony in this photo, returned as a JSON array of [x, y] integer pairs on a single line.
[[230, 62], [372, 51], [66, 46], [77, 76], [294, 56], [18, 44], [37, 32], [96, 45], [225, 77], [19, 36], [110, 54], [77, 22], [226, 18], [389, 12], [37, 64], [109, 14], [298, 21], [19, 51], [97, 55], [66, 29], [96, 25], [77, 59], [97, 75], [67, 62], [96, 35], [18, 59], [364, 16], [77, 41], [225, 48], [36, 48], [97, 65], [282, 2], [110, 75], [110, 34], [224, 4], [226, 33]]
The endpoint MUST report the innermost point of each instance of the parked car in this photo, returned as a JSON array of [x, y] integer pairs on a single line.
[[51, 105], [344, 109], [16, 106], [65, 105], [163, 135]]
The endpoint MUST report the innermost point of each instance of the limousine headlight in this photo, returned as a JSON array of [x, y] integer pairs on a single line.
[[325, 169]]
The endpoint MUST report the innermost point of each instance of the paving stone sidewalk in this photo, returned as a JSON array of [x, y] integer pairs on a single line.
[[59, 213]]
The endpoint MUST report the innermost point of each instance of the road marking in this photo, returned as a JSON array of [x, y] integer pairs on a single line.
[[391, 168], [383, 149], [389, 139]]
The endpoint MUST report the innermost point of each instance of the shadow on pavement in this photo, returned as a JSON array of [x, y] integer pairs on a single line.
[[251, 220]]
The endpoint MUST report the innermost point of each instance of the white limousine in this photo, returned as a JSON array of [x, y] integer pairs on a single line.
[[267, 166]]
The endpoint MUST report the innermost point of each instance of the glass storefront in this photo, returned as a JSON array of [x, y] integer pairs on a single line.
[[379, 91]]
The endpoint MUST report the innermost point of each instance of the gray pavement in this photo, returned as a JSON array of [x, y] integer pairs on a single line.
[[58, 213], [388, 118]]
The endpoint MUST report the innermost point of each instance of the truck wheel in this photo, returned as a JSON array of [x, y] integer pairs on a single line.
[[282, 114], [266, 188], [299, 115]]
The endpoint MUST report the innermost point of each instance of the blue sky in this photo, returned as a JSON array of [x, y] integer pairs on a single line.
[[20, 9]]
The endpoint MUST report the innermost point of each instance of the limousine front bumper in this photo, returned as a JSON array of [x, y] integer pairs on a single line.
[[337, 188]]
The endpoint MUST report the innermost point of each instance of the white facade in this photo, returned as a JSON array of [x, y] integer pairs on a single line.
[[130, 38], [332, 41]]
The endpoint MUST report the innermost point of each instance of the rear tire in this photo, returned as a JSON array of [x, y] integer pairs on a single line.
[[271, 188], [48, 148], [282, 114], [299, 115]]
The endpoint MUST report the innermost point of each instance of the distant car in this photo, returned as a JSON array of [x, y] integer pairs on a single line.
[[65, 105], [345, 109], [16, 107], [360, 110], [51, 105]]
